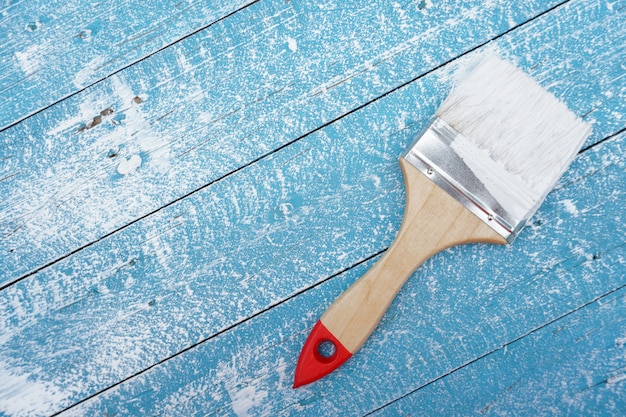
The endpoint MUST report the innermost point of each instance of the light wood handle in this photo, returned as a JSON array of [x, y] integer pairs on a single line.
[[433, 221]]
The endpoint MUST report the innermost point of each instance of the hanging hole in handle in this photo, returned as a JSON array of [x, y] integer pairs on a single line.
[[326, 350]]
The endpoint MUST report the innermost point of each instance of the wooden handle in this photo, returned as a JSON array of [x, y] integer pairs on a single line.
[[433, 221]]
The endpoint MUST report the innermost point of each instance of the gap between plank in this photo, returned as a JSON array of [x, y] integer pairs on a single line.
[[28, 116], [504, 346], [265, 156], [224, 330], [319, 283], [268, 154]]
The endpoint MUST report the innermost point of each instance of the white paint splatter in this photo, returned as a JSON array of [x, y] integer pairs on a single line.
[[35, 397], [570, 207], [85, 112], [292, 44], [83, 76], [129, 165], [182, 61], [245, 399], [123, 142], [161, 250], [615, 379], [149, 141], [29, 59]]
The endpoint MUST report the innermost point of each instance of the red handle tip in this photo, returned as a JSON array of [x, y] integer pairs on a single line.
[[321, 354]]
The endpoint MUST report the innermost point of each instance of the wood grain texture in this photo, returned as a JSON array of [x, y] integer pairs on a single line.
[[432, 222], [169, 235], [574, 365], [538, 336], [212, 103], [50, 50]]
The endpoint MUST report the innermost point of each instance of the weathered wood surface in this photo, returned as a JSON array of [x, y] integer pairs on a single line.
[[171, 233], [210, 104], [53, 49]]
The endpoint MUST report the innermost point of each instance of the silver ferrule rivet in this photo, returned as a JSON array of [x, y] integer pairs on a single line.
[[490, 217], [429, 171]]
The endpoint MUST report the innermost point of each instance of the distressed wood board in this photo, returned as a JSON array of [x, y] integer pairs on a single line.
[[185, 189]]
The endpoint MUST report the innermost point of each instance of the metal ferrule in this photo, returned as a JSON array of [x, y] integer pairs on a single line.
[[434, 155]]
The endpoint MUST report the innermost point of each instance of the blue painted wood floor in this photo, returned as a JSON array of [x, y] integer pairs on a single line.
[[186, 186]]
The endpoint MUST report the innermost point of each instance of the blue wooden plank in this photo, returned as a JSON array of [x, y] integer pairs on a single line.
[[545, 342], [238, 373], [52, 49], [574, 366], [275, 228], [258, 237], [235, 92]]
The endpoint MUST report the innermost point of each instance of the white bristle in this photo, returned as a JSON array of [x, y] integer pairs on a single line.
[[527, 130]]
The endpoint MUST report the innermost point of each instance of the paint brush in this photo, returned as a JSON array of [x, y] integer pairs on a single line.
[[493, 151]]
